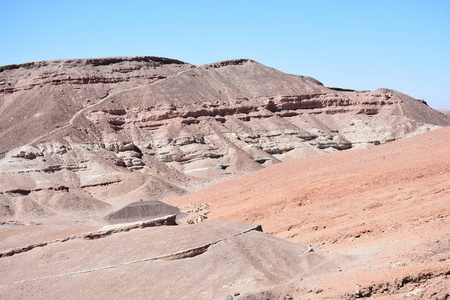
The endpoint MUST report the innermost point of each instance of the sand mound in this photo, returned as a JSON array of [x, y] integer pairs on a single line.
[[141, 210]]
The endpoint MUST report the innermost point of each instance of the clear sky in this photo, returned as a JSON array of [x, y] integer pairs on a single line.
[[359, 44]]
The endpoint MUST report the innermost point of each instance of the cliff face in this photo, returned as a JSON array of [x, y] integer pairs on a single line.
[[101, 133]]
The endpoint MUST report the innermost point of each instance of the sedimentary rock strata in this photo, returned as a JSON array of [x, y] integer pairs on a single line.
[[152, 128]]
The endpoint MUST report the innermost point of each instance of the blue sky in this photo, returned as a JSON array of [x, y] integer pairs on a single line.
[[365, 44]]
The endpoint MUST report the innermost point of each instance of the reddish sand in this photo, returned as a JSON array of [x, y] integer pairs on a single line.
[[390, 202]]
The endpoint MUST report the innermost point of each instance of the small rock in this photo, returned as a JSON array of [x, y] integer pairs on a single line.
[[236, 294], [443, 297], [27, 152], [228, 297]]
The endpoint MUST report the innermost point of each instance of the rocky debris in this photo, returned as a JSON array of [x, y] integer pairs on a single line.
[[409, 286], [262, 160], [186, 140], [263, 295], [27, 152], [337, 142], [196, 213], [127, 153], [103, 183], [160, 221], [120, 146], [18, 192], [115, 111], [232, 62], [153, 60], [12, 222], [131, 159]]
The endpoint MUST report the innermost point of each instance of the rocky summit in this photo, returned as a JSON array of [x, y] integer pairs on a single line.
[[94, 135]]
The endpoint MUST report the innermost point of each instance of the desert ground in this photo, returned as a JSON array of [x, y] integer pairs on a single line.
[[152, 178]]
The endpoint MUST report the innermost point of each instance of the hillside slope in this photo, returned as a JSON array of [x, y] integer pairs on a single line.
[[391, 202], [93, 135]]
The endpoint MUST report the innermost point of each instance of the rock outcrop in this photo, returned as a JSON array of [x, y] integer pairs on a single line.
[[161, 221]]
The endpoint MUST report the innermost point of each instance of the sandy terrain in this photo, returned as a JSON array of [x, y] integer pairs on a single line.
[[391, 202], [377, 220]]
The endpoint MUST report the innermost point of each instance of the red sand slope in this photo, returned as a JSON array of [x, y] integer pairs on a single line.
[[391, 201]]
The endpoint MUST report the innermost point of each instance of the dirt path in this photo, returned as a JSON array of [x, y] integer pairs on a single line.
[[102, 100]]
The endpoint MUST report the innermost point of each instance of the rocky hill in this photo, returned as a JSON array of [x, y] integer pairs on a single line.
[[93, 135]]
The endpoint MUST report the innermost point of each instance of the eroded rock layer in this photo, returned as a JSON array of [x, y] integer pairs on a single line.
[[92, 135]]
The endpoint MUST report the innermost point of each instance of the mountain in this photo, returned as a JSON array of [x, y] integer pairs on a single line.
[[91, 136], [90, 147]]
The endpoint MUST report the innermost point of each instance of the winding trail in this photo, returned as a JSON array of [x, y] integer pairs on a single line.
[[102, 100]]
